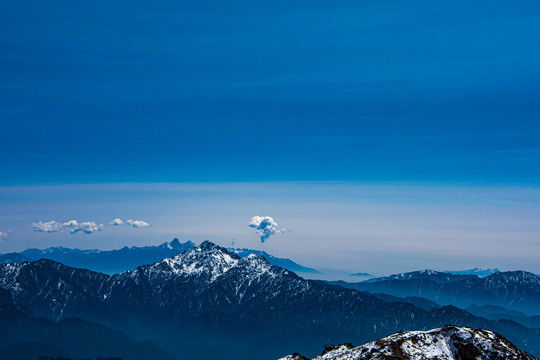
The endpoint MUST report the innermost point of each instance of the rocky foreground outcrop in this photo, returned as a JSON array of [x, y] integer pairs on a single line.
[[448, 343]]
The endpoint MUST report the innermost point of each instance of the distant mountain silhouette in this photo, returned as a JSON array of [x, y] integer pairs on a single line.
[[11, 258], [128, 258], [436, 276], [112, 261], [476, 271]]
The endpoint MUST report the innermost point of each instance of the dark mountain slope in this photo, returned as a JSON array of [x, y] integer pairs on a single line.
[[25, 335]]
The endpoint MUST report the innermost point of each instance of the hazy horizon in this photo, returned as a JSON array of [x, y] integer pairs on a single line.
[[354, 227]]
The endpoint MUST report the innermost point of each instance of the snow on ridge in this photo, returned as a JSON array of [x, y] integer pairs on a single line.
[[448, 343], [257, 263], [206, 258], [10, 273]]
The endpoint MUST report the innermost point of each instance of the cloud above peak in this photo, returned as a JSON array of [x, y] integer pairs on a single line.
[[265, 226]]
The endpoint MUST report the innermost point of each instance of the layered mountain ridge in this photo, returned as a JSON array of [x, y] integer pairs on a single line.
[[514, 290], [129, 258], [206, 298]]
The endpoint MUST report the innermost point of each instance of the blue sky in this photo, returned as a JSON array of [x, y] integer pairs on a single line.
[[292, 90], [435, 94]]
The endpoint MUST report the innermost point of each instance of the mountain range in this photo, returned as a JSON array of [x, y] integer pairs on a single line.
[[208, 298], [128, 258], [514, 290]]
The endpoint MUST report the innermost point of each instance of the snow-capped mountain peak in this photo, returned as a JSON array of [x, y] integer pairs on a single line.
[[211, 261], [448, 343], [208, 261]]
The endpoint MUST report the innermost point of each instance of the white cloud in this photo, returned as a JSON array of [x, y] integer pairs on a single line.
[[73, 226], [70, 223], [49, 226], [265, 226], [87, 227], [117, 222], [4, 235], [137, 223]]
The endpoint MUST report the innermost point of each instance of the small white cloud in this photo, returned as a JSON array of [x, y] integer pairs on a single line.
[[265, 226], [4, 235], [137, 223], [117, 222], [87, 227], [70, 223], [49, 226]]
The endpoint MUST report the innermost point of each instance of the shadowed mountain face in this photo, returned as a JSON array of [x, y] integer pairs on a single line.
[[206, 298], [28, 337], [448, 343], [515, 290]]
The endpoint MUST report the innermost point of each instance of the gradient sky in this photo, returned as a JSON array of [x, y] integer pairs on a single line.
[[296, 94]]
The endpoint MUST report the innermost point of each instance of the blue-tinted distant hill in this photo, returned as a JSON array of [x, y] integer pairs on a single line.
[[513, 290], [493, 312], [109, 262], [129, 258], [476, 271], [436, 276], [11, 258], [362, 275]]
